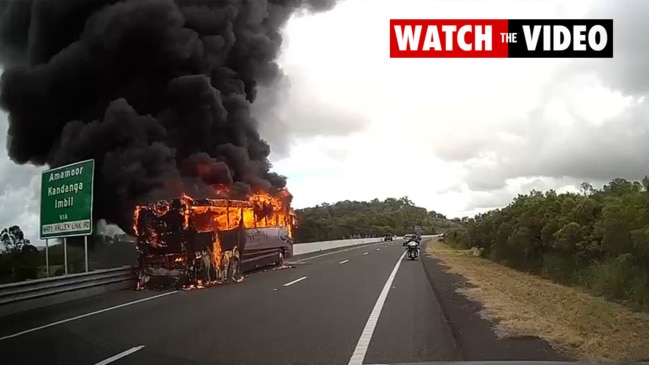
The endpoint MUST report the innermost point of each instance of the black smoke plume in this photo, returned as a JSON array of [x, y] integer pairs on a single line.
[[158, 92]]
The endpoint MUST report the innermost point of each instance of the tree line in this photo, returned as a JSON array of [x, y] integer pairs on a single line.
[[375, 218], [597, 238]]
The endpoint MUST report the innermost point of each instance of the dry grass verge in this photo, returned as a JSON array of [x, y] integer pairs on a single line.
[[586, 327]]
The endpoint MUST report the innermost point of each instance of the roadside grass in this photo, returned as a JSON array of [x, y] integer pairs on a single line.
[[519, 304]]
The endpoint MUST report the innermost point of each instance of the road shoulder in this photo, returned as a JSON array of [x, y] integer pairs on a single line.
[[473, 334]]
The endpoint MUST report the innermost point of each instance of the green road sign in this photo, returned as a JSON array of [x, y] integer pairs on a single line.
[[66, 200]]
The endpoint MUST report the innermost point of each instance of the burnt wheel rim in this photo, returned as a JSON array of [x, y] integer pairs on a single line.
[[280, 257]]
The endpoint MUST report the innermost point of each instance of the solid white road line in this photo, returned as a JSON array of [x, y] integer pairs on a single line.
[[343, 261], [364, 341], [120, 355], [295, 281], [84, 315]]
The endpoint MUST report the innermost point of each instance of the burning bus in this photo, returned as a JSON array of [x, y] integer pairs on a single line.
[[186, 242]]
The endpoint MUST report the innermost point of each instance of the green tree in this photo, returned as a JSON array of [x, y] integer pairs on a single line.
[[19, 260], [375, 218], [13, 239], [598, 238]]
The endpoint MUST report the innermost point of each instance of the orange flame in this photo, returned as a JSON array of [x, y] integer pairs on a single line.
[[217, 252], [260, 210]]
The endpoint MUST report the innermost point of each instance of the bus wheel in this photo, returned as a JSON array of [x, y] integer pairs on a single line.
[[233, 268], [280, 258]]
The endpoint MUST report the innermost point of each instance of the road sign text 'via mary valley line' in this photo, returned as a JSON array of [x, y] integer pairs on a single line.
[[501, 38], [66, 200]]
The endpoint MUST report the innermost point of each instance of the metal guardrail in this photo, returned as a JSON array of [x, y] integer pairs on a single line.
[[31, 294], [25, 295], [309, 247]]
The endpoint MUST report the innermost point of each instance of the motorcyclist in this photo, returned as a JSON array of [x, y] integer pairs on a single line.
[[415, 238]]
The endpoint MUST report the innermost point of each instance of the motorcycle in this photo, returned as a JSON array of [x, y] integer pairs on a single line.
[[412, 250]]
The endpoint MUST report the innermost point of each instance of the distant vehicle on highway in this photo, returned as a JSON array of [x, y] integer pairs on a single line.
[[407, 237], [388, 237]]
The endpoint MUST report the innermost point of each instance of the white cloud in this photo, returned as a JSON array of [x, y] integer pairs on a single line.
[[486, 126], [19, 192], [456, 135]]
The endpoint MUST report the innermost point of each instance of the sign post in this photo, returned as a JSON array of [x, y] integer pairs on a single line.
[[85, 250], [47, 257], [65, 255], [66, 203]]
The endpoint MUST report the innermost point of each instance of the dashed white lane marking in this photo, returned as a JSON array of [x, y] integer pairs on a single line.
[[378, 249], [338, 251], [364, 253], [343, 261], [84, 315], [295, 281], [120, 355], [326, 254], [364, 341]]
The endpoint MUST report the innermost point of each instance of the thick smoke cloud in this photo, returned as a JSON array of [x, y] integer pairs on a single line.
[[158, 92]]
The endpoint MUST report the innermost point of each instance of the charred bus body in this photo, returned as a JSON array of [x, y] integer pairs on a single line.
[[185, 242]]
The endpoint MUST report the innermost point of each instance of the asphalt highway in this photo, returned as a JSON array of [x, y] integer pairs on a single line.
[[361, 305], [344, 307]]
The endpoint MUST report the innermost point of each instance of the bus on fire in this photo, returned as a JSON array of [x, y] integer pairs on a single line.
[[187, 243]]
